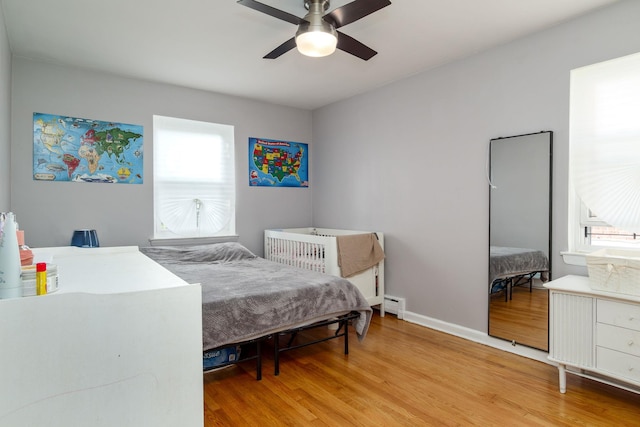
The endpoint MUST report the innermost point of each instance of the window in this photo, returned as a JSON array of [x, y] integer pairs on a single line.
[[193, 178], [605, 154], [596, 233]]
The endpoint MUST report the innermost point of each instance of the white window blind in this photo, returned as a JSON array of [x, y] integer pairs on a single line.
[[605, 140], [194, 178]]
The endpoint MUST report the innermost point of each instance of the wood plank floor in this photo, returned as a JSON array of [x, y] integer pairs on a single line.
[[408, 375], [523, 319]]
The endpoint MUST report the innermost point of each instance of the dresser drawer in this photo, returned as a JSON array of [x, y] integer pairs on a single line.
[[616, 338], [618, 314], [621, 364]]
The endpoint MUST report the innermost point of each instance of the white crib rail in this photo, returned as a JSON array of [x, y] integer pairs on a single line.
[[300, 248], [307, 255]]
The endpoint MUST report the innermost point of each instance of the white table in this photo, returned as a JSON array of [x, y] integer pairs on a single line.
[[119, 344]]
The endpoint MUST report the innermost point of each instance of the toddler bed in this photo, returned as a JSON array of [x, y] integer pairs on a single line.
[[317, 249], [510, 267], [246, 298]]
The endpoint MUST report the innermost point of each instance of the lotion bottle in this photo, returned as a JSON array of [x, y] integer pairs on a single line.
[[10, 269]]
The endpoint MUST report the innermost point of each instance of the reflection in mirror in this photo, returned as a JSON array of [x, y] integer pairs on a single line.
[[520, 238]]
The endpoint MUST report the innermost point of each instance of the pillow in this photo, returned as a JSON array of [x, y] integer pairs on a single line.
[[217, 252]]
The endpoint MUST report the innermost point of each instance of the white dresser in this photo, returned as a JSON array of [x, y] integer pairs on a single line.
[[119, 344], [594, 332]]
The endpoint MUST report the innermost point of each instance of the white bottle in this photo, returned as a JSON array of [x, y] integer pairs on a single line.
[[10, 269]]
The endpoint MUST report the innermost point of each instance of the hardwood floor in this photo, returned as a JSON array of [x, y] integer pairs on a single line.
[[523, 319], [403, 374]]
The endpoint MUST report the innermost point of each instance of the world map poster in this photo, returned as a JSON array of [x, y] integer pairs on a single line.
[[278, 163], [84, 150]]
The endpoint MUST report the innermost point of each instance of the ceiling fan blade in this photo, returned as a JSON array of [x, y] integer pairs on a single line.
[[354, 47], [272, 11], [353, 11], [283, 48]]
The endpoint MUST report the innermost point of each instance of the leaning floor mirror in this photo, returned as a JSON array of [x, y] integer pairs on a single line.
[[520, 238]]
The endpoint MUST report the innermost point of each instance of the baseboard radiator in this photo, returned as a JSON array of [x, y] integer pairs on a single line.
[[395, 305]]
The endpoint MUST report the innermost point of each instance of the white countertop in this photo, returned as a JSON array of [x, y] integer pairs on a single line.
[[106, 270], [581, 285]]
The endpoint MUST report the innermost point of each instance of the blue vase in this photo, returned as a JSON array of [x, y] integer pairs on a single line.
[[85, 239]]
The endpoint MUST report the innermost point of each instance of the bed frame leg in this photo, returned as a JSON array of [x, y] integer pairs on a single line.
[[259, 360], [346, 336], [276, 354]]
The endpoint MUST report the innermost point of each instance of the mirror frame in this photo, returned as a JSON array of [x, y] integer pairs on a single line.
[[549, 225]]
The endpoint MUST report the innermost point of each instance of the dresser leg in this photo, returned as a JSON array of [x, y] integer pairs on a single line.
[[562, 374]]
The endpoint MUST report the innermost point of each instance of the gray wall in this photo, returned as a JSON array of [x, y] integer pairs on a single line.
[[123, 214], [409, 158], [5, 117]]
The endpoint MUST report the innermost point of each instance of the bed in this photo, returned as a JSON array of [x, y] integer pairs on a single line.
[[509, 267], [247, 298]]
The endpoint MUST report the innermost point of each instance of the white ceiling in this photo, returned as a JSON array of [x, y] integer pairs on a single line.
[[218, 45]]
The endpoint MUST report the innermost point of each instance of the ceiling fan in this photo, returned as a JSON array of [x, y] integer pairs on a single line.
[[317, 33]]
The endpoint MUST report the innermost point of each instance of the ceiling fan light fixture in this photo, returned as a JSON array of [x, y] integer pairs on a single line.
[[316, 43], [315, 36]]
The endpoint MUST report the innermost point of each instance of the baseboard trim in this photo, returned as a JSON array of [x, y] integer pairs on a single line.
[[477, 336]]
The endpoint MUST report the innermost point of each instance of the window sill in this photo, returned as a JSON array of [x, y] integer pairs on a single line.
[[574, 258], [161, 241]]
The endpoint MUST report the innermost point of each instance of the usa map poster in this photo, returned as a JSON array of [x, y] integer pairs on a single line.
[[84, 150], [278, 163]]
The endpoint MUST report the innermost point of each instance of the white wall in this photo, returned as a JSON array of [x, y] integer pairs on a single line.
[[123, 214], [5, 117], [409, 158]]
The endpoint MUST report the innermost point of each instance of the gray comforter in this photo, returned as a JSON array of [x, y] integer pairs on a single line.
[[246, 297], [508, 262]]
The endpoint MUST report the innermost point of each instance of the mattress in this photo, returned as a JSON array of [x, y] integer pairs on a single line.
[[246, 297]]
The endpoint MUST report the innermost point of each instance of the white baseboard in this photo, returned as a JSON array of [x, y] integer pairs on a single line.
[[477, 336]]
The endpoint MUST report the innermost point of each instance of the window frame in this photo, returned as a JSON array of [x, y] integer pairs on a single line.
[[579, 213], [209, 196]]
